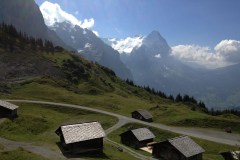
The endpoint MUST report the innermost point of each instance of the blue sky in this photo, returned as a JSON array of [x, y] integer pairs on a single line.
[[200, 22]]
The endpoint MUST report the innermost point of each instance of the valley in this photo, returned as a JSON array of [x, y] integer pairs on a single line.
[[51, 113], [72, 93]]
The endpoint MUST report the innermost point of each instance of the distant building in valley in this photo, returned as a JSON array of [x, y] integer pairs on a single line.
[[80, 138], [8, 110], [142, 115], [137, 138], [231, 155], [183, 148]]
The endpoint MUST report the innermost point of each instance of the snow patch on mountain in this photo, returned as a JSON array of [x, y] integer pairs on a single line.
[[158, 56], [126, 45], [87, 45], [96, 33]]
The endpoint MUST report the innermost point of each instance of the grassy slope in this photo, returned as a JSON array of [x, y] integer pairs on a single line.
[[98, 88], [123, 102], [37, 123], [212, 148], [19, 154]]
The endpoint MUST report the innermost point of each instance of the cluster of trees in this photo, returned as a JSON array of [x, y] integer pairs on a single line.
[[151, 90], [187, 99], [10, 38], [222, 112], [155, 92], [190, 99], [107, 70], [74, 70], [179, 97]]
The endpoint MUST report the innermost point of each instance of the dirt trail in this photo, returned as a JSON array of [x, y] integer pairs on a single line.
[[216, 136]]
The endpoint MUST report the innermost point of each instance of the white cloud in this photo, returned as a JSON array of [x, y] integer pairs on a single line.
[[225, 53], [126, 45], [230, 49], [53, 13]]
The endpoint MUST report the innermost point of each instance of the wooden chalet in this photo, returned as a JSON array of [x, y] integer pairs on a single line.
[[8, 110], [137, 138], [231, 155], [80, 138], [142, 115], [183, 148]]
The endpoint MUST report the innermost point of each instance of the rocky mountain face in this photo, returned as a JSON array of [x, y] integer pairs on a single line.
[[148, 58], [26, 17], [151, 64], [91, 47]]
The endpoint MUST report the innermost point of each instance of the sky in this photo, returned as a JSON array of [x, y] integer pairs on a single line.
[[201, 22], [201, 32]]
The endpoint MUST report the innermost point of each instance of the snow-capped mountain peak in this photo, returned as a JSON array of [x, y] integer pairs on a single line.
[[154, 42], [125, 45]]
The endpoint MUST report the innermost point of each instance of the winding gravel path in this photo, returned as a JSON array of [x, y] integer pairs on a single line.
[[53, 155], [121, 122], [211, 135]]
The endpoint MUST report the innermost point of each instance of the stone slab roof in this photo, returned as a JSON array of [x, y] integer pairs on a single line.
[[145, 114], [186, 146], [8, 105], [143, 134], [82, 132]]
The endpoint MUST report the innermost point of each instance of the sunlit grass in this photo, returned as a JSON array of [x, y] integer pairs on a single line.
[[212, 149], [19, 154], [123, 101], [37, 123]]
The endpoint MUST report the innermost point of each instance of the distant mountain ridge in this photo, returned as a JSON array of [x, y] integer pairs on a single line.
[[25, 15], [147, 60], [91, 47], [151, 64]]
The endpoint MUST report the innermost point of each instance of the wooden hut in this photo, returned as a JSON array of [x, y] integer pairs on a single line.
[[142, 115], [80, 138], [137, 138], [8, 110], [183, 148], [231, 155]]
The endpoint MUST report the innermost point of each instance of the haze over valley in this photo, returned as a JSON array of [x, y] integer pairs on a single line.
[[119, 79], [208, 73]]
